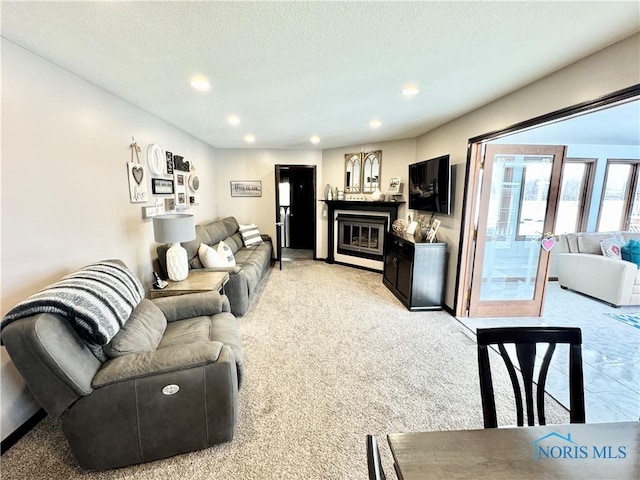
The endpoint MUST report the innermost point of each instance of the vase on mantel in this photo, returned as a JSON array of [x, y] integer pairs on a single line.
[[328, 194], [377, 195]]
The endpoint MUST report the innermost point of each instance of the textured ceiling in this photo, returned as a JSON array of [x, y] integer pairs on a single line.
[[290, 70]]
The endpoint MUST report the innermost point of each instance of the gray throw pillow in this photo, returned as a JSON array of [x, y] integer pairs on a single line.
[[141, 333]]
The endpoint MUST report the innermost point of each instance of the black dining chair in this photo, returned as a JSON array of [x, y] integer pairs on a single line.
[[525, 340], [373, 459]]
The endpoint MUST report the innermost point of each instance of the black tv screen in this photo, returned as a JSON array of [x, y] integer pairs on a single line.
[[430, 185]]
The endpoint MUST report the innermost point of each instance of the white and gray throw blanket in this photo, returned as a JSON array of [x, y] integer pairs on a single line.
[[98, 299]]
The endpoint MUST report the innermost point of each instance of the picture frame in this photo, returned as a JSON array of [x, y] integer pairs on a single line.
[[246, 188], [180, 179], [169, 163], [431, 234], [394, 185], [162, 186]]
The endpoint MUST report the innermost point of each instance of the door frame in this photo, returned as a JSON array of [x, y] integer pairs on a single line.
[[474, 156], [313, 170]]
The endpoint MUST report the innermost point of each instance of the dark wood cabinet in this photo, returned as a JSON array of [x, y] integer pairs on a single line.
[[415, 272]]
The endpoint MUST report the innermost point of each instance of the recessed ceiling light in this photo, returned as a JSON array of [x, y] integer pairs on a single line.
[[375, 123], [233, 119], [249, 138], [200, 83], [410, 90], [315, 139]]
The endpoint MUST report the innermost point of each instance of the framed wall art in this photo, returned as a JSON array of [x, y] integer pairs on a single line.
[[161, 186], [244, 188], [180, 187]]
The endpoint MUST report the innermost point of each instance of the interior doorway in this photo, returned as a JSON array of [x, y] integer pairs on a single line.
[[604, 128], [295, 212]]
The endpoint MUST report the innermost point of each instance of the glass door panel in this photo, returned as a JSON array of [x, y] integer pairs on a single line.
[[517, 203]]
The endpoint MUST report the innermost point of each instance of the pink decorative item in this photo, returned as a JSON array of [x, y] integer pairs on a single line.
[[548, 243]]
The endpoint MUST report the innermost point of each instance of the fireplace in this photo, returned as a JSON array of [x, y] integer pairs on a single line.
[[357, 230], [361, 235]]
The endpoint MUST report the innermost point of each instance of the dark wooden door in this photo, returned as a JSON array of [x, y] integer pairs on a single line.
[[302, 210]]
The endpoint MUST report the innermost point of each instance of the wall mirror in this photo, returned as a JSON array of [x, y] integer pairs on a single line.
[[371, 164], [353, 172]]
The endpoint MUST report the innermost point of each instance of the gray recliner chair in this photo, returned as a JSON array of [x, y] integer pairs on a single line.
[[166, 383]]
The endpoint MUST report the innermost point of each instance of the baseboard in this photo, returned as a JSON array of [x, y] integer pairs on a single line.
[[22, 430]]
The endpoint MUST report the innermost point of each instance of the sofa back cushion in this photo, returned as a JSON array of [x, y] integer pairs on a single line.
[[142, 332]]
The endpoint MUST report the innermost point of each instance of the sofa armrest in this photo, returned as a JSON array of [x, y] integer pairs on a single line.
[[192, 305], [265, 237], [234, 269], [145, 364], [598, 276]]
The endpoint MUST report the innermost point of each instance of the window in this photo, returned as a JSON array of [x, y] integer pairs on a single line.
[[620, 204], [575, 192]]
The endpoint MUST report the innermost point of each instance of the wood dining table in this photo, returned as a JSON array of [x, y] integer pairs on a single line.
[[571, 451]]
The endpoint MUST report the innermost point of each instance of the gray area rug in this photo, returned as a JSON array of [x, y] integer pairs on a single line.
[[331, 355]]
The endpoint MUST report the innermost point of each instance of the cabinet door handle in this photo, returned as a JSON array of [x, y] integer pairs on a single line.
[[395, 261]]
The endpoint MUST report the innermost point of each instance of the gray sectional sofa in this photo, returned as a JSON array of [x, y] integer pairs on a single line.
[[251, 262]]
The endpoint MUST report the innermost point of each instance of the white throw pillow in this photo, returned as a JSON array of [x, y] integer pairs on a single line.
[[225, 252], [612, 246], [210, 257], [250, 235]]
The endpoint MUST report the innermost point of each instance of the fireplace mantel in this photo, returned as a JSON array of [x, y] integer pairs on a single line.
[[367, 206]]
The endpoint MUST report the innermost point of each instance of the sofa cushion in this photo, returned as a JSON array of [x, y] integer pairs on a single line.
[[631, 252], [211, 258], [142, 332], [196, 329], [590, 243], [225, 252], [611, 246], [250, 235], [572, 242]]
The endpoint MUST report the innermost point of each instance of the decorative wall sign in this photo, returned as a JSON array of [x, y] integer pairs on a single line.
[[169, 163], [241, 188], [180, 164], [137, 183], [161, 186]]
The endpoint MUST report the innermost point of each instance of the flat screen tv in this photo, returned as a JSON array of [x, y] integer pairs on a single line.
[[430, 185]]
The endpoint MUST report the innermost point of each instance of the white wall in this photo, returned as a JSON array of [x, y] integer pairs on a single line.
[[606, 71], [65, 198], [256, 164]]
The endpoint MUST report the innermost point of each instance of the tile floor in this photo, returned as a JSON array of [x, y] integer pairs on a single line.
[[610, 353]]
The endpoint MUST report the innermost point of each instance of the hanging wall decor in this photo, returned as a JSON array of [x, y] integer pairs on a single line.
[[137, 179]]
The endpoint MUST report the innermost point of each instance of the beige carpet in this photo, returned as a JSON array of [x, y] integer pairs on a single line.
[[331, 355]]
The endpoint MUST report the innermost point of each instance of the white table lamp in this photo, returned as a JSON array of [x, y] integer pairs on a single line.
[[175, 228]]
